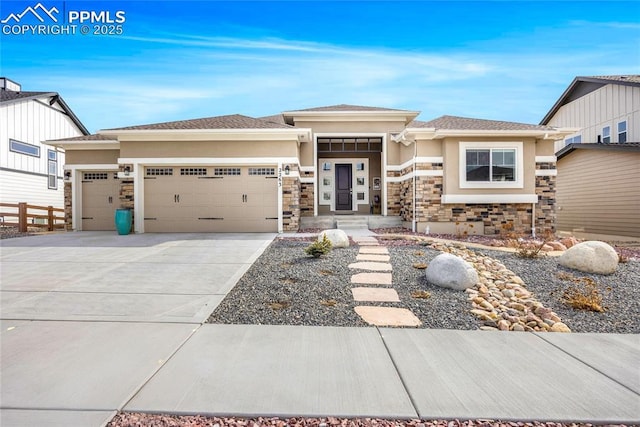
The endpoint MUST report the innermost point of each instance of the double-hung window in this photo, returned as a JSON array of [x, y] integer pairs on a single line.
[[483, 165], [52, 169], [606, 134], [622, 132]]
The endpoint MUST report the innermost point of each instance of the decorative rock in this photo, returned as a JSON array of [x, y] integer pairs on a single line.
[[560, 327], [517, 327], [569, 241], [590, 257], [450, 271], [338, 238], [557, 246]]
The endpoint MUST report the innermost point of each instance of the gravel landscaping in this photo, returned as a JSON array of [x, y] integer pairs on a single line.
[[285, 287]]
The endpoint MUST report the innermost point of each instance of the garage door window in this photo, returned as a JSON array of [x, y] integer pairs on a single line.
[[95, 176], [193, 171], [226, 171], [262, 171], [159, 171]]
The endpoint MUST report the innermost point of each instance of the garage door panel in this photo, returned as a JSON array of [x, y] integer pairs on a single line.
[[100, 199], [212, 199]]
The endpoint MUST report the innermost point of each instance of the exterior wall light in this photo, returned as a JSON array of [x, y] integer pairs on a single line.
[[67, 175], [287, 170], [127, 170]]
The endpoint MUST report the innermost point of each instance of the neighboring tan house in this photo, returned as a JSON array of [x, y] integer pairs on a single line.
[[237, 173], [599, 169], [604, 109], [31, 170], [599, 190]]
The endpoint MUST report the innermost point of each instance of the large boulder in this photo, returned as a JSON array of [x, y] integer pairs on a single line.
[[590, 257], [450, 271], [338, 238]]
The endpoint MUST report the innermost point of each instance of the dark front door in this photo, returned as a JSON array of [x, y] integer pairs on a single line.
[[343, 187]]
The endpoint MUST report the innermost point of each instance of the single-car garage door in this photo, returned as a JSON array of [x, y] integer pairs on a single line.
[[210, 199], [100, 199]]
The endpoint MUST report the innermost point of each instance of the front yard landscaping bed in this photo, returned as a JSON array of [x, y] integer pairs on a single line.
[[286, 287]]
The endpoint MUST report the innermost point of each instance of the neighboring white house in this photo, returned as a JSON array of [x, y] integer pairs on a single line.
[[31, 171], [605, 108]]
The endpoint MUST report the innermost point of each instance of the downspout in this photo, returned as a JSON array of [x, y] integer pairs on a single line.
[[533, 220], [415, 156]]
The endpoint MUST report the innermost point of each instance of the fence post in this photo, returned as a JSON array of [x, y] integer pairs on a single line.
[[22, 217], [50, 219]]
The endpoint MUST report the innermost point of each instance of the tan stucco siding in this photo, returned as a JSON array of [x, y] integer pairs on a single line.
[[306, 154], [222, 149], [344, 127], [429, 148], [545, 147], [452, 166], [599, 191], [92, 157]]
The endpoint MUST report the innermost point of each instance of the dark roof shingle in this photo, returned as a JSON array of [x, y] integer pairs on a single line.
[[9, 95], [464, 123], [345, 107], [232, 121], [92, 137]]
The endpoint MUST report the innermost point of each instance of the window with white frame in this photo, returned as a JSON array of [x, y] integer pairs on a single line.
[[491, 165], [622, 132], [606, 134], [52, 169], [24, 148], [577, 139]]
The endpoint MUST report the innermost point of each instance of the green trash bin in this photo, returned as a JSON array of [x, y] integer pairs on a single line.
[[123, 221]]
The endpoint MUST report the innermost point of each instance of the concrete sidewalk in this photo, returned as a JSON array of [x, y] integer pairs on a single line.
[[94, 323]]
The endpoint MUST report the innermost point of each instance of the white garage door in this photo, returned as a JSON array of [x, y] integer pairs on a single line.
[[210, 199], [100, 199]]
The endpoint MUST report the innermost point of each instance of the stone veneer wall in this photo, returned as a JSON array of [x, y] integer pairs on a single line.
[[126, 195], [306, 195], [290, 203], [496, 217], [68, 211]]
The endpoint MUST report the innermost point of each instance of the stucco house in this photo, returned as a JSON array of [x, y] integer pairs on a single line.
[[30, 169], [598, 180], [238, 173]]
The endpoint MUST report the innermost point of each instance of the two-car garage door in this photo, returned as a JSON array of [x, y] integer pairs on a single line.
[[210, 199]]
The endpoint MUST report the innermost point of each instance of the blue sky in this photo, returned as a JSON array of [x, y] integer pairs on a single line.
[[503, 60]]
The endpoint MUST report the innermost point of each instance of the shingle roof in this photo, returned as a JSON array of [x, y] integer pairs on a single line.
[[276, 118], [626, 147], [92, 137], [464, 123], [9, 95], [233, 121], [345, 107], [630, 78]]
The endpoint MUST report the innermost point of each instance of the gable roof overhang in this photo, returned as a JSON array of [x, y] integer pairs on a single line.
[[86, 142], [581, 86], [349, 113], [9, 97]]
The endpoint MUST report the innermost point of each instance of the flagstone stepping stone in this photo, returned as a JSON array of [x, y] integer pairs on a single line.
[[387, 316], [368, 243], [371, 278], [375, 294], [373, 266], [367, 239], [373, 250], [372, 257]]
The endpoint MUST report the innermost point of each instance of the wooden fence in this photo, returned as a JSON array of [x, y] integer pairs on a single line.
[[24, 216]]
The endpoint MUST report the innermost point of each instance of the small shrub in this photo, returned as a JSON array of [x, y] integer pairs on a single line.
[[622, 259], [279, 305], [420, 294], [584, 296], [319, 247], [526, 248]]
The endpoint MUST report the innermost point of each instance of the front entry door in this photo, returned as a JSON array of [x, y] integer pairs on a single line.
[[343, 187]]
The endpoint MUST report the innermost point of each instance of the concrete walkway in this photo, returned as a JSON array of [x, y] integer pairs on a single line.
[[75, 368]]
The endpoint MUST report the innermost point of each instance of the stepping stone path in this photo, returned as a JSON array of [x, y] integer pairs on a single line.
[[374, 259]]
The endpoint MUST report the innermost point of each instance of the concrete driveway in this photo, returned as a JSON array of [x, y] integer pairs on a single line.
[[89, 317]]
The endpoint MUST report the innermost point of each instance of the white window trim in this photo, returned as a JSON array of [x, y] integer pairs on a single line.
[[466, 145], [608, 136], [626, 130]]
